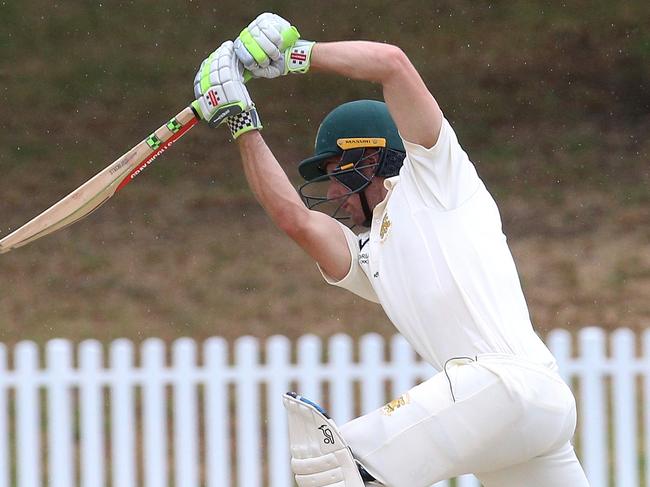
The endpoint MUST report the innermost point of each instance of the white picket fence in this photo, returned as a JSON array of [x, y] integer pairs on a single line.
[[216, 420]]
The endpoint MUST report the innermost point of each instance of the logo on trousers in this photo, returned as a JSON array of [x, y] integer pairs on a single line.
[[329, 437], [395, 404]]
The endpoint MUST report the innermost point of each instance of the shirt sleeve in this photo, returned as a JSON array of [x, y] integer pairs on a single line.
[[355, 280], [442, 176]]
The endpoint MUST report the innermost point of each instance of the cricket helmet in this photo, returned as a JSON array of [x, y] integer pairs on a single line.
[[347, 133], [350, 126]]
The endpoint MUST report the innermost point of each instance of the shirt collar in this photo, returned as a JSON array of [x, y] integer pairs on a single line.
[[389, 183]]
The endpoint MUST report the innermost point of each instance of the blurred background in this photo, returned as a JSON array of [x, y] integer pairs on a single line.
[[550, 99]]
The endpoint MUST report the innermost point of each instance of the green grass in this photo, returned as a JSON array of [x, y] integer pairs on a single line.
[[550, 100]]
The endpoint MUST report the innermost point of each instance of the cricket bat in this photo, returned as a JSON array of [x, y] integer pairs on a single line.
[[97, 190]]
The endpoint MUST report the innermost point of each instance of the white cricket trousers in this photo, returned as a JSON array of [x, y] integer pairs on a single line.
[[504, 419]]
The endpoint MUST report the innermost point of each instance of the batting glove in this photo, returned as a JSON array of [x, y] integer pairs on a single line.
[[270, 47], [221, 95], [264, 40]]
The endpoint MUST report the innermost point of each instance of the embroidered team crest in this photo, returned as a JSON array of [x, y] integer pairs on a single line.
[[385, 227], [395, 404]]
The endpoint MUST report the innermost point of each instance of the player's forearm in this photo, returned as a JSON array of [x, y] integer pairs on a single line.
[[318, 234], [412, 106], [269, 183]]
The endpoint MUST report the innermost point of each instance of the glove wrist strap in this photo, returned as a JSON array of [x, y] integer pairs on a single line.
[[298, 57], [244, 122]]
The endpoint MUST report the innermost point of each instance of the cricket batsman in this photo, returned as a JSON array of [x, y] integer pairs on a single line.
[[429, 249]]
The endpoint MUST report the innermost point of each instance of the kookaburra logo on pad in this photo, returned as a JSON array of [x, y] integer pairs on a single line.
[[327, 433]]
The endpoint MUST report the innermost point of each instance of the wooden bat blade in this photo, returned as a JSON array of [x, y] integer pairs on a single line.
[[97, 190]]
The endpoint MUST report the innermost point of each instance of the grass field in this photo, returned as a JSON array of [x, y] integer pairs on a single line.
[[551, 101]]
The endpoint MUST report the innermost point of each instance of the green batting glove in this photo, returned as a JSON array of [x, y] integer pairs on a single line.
[[221, 96], [264, 41]]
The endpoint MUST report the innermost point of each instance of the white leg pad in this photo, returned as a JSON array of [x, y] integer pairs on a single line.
[[320, 457]]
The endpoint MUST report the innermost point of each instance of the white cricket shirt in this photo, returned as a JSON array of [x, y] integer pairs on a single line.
[[437, 261]]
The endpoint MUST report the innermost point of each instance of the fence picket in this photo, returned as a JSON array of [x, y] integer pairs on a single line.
[[154, 419], [593, 400], [4, 420], [372, 360], [249, 457], [122, 437], [59, 407], [28, 418], [624, 405], [559, 341], [185, 413], [91, 415], [404, 364], [217, 433], [279, 361], [341, 384], [309, 363]]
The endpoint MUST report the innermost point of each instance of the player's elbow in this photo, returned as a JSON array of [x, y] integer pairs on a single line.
[[394, 60], [382, 62], [294, 221]]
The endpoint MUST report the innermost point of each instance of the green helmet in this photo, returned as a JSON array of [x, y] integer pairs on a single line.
[[361, 123]]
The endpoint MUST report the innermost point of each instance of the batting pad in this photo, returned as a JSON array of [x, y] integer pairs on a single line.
[[319, 455]]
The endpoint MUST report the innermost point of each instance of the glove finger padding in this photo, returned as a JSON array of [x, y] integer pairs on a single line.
[[271, 40], [264, 41], [219, 86], [273, 70], [244, 56], [319, 455], [221, 94]]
